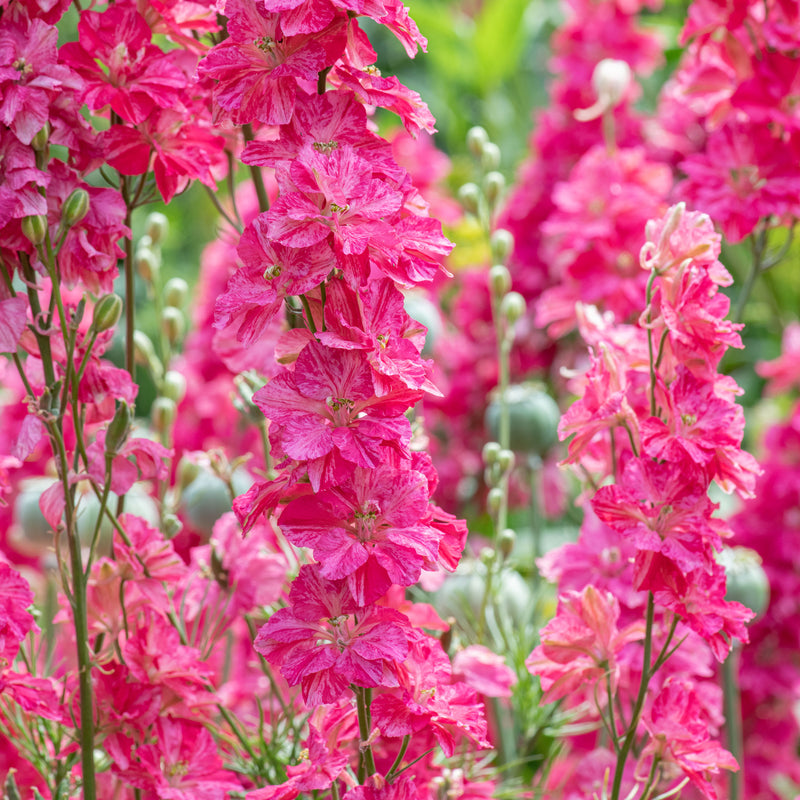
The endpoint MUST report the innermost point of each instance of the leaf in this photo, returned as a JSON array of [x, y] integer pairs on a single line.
[[499, 39]]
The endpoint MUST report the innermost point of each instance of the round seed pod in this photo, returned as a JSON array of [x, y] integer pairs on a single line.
[[533, 419], [747, 582]]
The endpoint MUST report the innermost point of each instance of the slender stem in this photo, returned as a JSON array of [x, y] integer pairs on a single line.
[[630, 737], [309, 316], [255, 174], [758, 245], [366, 761], [399, 760], [130, 288], [733, 720], [222, 212]]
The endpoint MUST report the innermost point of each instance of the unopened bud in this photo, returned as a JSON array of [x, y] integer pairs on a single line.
[[107, 312], [176, 291], [506, 460], [493, 184], [34, 228], [187, 473], [494, 499], [41, 139], [118, 428], [157, 227], [499, 280], [477, 139], [469, 196], [490, 452], [174, 386], [163, 414], [506, 542], [171, 526], [75, 208], [143, 349], [146, 264], [610, 80], [490, 157], [501, 244], [173, 323], [512, 306]]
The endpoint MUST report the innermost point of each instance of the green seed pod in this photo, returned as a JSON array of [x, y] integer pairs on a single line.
[[157, 226], [469, 196], [118, 428], [501, 244], [207, 498], [506, 542], [490, 156], [75, 208], [107, 312], [499, 280], [533, 419], [174, 386], [477, 139], [422, 310], [173, 323], [34, 228], [512, 307], [163, 412], [747, 582], [176, 291]]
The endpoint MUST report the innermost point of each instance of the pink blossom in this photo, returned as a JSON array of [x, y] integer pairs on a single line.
[[486, 672]]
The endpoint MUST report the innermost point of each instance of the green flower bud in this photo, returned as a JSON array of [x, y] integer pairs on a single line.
[[494, 500], [494, 184], [143, 349], [107, 312], [747, 582], [175, 292], [499, 280], [34, 228], [469, 196], [147, 264], [174, 386], [41, 139], [491, 450], [75, 208], [173, 323], [490, 156], [533, 419], [118, 428], [477, 139], [501, 244], [188, 471], [157, 227], [171, 526], [506, 460], [512, 307], [506, 542], [163, 412]]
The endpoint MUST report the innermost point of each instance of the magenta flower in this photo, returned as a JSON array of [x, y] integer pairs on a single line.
[[324, 641], [367, 529], [325, 413]]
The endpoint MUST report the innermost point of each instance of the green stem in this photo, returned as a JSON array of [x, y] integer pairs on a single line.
[[399, 760], [366, 761], [733, 720], [255, 174], [758, 245], [630, 737]]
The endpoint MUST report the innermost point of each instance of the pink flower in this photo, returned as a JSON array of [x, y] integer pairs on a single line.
[[580, 645], [783, 373], [324, 641], [486, 672], [137, 459], [15, 619]]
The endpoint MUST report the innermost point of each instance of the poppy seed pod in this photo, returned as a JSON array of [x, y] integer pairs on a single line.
[[533, 419], [746, 580]]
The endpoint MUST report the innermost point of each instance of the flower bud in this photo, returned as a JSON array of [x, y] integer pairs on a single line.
[[494, 499], [34, 228], [75, 208], [533, 419], [143, 349], [41, 139], [157, 227], [118, 428], [505, 460], [176, 291], [490, 156], [469, 196], [477, 139], [146, 263], [499, 280], [506, 542], [107, 312], [610, 80], [163, 414], [188, 471], [501, 244], [747, 582], [512, 307], [171, 526], [173, 323], [493, 184], [490, 452], [174, 386]]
